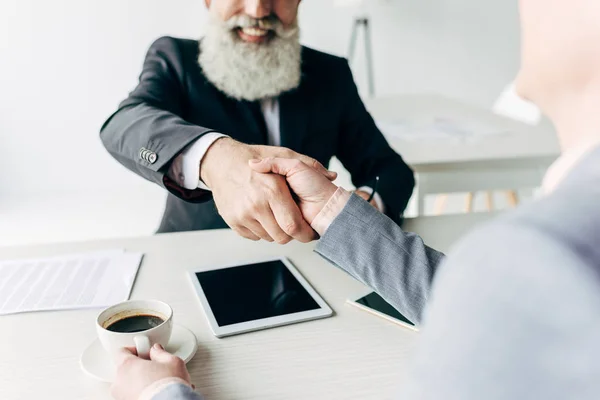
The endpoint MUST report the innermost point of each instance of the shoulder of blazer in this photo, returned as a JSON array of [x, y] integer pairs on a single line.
[[312, 56], [322, 66], [176, 50]]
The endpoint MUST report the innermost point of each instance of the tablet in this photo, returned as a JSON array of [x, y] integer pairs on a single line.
[[256, 295], [376, 305]]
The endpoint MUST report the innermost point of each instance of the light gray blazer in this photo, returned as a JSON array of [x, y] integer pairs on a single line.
[[515, 311], [376, 251]]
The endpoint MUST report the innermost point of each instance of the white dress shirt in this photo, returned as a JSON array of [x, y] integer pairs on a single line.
[[185, 169]]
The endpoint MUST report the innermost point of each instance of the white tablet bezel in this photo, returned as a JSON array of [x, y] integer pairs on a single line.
[[323, 311]]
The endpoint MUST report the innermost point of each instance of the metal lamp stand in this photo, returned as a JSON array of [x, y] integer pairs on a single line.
[[363, 22]]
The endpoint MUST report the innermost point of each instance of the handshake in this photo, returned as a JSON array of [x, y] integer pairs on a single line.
[[266, 192]]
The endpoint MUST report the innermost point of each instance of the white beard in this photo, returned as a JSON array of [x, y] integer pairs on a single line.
[[250, 71]]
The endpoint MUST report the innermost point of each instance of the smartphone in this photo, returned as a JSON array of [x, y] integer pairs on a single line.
[[376, 305]]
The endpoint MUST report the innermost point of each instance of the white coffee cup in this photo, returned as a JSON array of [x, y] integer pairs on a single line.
[[142, 341]]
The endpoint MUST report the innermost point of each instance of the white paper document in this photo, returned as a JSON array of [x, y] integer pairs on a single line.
[[90, 280]]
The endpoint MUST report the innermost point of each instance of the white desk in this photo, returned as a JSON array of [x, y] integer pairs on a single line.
[[349, 356]]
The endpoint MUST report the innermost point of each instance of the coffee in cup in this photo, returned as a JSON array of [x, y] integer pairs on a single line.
[[139, 323], [135, 323]]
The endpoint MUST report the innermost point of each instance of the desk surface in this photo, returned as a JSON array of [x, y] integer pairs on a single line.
[[523, 144], [349, 356]]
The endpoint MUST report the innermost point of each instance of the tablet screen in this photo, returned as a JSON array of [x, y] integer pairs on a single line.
[[254, 291]]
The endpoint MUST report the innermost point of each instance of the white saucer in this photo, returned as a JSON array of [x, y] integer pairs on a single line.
[[97, 363]]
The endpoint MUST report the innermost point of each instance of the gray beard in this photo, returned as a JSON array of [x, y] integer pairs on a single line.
[[250, 71]]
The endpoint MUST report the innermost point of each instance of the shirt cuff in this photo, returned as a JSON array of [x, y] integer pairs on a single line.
[[185, 168], [159, 386], [332, 209], [376, 197]]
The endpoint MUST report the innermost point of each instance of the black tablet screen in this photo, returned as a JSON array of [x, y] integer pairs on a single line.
[[254, 291]]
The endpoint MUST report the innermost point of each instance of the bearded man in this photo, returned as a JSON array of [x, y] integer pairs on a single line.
[[247, 90]]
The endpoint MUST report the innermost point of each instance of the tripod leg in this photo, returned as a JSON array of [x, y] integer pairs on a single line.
[[369, 55], [352, 47]]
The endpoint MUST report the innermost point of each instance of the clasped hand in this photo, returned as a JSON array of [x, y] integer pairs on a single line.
[[254, 198], [312, 189]]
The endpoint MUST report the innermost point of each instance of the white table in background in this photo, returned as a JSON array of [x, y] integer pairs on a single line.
[[352, 355], [516, 159], [522, 144]]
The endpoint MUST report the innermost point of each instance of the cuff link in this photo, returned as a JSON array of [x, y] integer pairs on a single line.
[[148, 155]]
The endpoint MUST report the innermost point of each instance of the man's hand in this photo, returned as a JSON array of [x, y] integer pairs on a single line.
[[135, 374], [312, 188], [255, 205]]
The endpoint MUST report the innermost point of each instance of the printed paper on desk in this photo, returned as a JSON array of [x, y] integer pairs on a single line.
[[92, 280]]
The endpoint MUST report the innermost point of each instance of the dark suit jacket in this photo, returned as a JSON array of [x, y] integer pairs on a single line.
[[174, 104]]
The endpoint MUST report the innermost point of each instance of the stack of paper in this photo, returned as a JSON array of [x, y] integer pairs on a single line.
[[90, 280]]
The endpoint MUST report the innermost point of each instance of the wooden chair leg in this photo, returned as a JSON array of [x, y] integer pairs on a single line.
[[440, 204], [513, 198], [489, 201], [469, 202]]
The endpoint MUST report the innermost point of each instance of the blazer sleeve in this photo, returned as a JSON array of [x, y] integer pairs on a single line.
[[376, 251], [514, 311], [151, 119], [177, 392], [365, 153]]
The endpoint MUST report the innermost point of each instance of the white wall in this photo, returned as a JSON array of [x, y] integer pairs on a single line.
[[467, 49], [65, 65]]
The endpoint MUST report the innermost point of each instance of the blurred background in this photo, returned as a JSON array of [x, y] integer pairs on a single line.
[[66, 64]]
